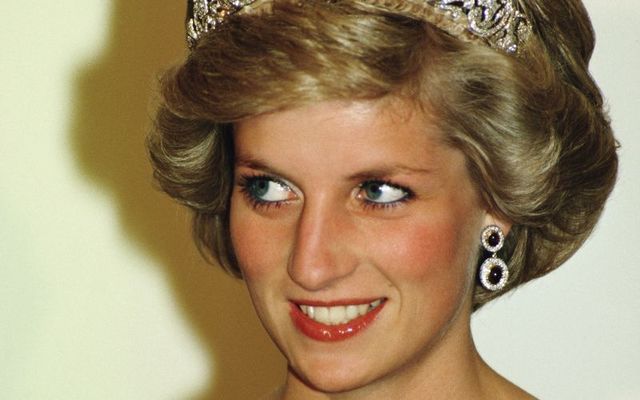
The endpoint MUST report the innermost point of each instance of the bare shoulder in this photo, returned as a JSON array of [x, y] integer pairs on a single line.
[[495, 386], [274, 395], [517, 393], [502, 388]]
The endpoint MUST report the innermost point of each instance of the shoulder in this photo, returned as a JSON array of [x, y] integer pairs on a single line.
[[494, 386], [276, 394]]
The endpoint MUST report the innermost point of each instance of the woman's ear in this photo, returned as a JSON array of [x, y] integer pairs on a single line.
[[503, 223]]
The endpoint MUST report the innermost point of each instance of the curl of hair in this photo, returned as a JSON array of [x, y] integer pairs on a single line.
[[533, 128]]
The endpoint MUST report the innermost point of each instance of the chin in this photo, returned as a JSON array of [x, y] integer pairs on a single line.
[[328, 377], [332, 382]]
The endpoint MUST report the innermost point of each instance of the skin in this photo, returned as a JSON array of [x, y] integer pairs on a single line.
[[321, 237]]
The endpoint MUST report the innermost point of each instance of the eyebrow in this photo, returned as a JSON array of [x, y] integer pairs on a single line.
[[386, 171], [379, 172], [255, 163]]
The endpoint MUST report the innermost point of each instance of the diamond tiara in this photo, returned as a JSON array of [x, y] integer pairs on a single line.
[[498, 23]]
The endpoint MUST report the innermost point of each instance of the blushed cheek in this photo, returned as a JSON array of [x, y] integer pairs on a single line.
[[430, 253], [247, 246], [257, 246]]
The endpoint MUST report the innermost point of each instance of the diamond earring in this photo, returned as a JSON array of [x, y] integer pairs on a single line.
[[494, 272]]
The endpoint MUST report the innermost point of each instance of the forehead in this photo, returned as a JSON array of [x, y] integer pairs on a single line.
[[341, 123], [345, 138]]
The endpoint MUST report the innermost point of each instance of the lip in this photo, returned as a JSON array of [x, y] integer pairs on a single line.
[[332, 333]]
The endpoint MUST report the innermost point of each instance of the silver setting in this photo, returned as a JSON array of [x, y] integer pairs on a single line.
[[493, 262], [499, 23], [207, 15], [485, 272], [486, 234]]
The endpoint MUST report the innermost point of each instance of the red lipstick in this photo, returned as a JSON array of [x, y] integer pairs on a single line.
[[331, 333]]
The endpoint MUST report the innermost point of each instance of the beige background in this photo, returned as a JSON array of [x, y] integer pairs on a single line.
[[103, 296]]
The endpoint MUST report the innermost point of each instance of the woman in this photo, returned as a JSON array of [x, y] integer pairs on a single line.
[[377, 170]]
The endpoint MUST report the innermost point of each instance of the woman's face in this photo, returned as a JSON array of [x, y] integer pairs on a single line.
[[356, 228]]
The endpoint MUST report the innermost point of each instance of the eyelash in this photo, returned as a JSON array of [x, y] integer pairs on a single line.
[[369, 205], [246, 180]]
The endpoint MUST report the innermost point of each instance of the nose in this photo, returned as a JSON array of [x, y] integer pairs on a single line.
[[322, 252]]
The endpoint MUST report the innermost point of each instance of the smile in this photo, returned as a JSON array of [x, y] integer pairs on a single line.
[[338, 314], [330, 323]]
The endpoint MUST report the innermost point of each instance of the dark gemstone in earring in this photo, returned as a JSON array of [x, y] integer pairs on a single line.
[[493, 239], [495, 275]]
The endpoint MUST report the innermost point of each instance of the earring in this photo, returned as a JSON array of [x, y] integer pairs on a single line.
[[494, 272]]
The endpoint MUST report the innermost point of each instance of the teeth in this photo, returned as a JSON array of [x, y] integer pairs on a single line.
[[352, 312], [339, 314], [322, 315], [363, 308]]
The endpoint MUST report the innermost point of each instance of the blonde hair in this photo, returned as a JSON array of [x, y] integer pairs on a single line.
[[537, 140]]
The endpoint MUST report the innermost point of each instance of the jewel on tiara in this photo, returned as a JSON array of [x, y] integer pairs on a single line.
[[499, 23]]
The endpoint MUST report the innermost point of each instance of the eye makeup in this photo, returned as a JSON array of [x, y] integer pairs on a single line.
[[263, 191], [382, 194]]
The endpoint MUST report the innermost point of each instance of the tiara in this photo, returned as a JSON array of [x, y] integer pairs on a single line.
[[498, 23]]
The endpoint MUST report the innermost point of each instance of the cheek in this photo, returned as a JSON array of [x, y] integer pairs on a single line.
[[257, 243], [433, 252], [431, 271]]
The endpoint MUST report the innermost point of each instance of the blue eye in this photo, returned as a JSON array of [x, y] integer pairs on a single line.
[[382, 193], [266, 190]]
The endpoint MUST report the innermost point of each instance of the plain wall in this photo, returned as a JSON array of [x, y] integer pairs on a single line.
[[103, 295]]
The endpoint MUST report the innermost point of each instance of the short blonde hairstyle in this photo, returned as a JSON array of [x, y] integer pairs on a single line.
[[537, 141]]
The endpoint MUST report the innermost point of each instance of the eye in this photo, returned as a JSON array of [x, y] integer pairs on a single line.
[[382, 193], [265, 190]]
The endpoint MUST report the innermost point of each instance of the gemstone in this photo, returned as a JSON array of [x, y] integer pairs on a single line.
[[495, 275], [499, 23], [494, 239]]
